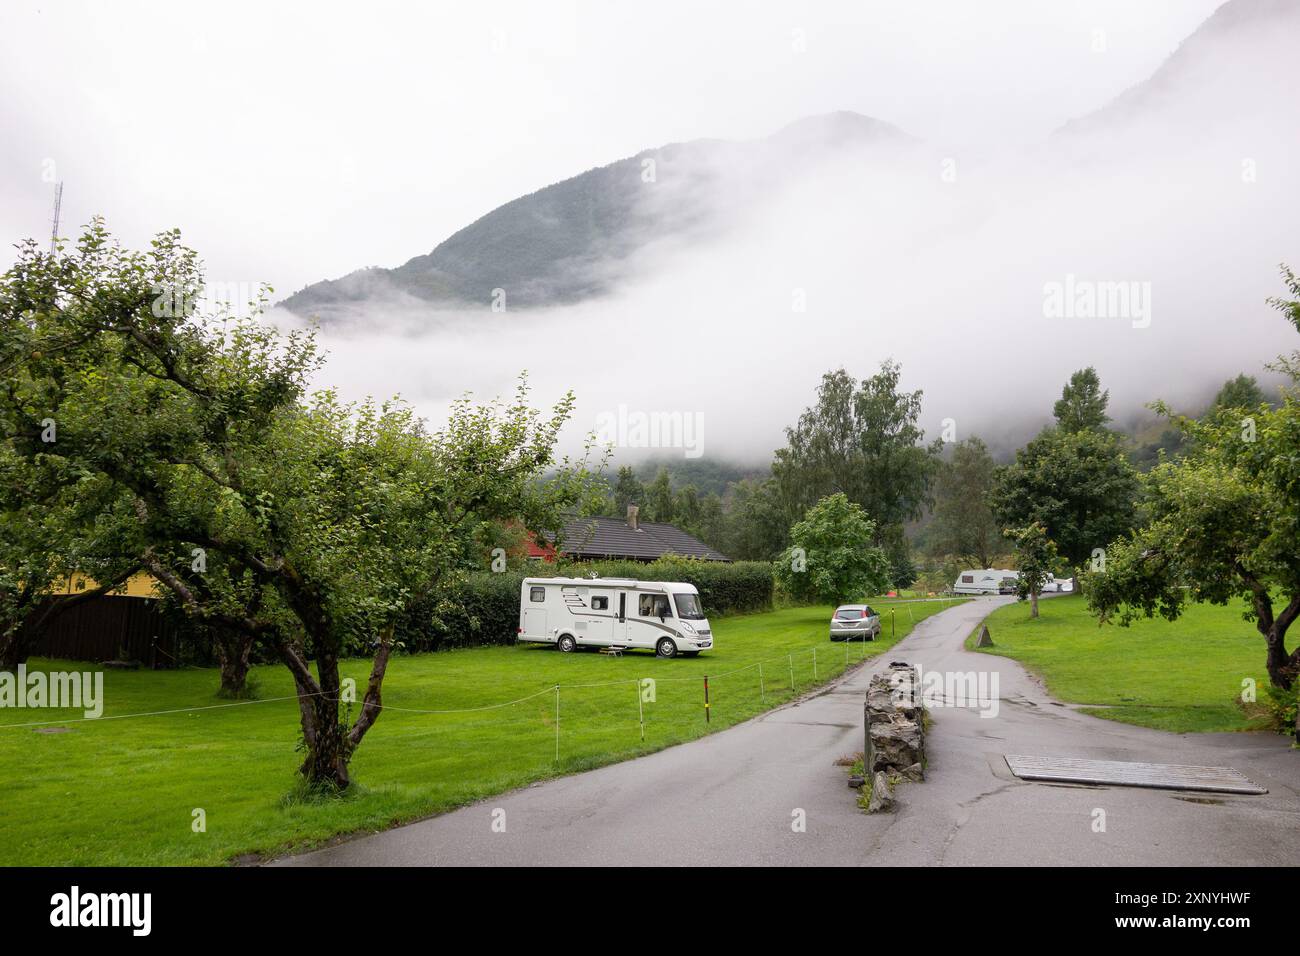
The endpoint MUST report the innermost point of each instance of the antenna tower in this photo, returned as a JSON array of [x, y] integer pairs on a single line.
[[54, 225]]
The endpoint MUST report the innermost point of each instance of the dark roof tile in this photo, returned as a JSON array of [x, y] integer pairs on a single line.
[[612, 538]]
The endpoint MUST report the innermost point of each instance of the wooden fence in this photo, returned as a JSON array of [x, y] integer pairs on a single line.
[[113, 627]]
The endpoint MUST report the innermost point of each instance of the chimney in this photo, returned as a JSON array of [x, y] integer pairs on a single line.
[[631, 516]]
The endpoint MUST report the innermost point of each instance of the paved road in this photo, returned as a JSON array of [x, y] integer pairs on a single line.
[[729, 799]]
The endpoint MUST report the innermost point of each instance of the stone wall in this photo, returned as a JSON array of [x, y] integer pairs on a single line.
[[894, 721]]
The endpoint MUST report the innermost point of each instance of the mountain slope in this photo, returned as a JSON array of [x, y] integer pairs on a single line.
[[1236, 62], [570, 240]]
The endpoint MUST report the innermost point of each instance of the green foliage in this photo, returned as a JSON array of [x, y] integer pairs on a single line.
[[1079, 485], [1241, 392], [481, 609], [660, 504], [760, 520], [963, 523], [861, 439], [627, 491], [1289, 365], [903, 571], [1082, 405], [1281, 707], [1036, 560], [832, 557], [709, 475]]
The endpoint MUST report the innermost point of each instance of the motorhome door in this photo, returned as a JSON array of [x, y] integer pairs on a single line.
[[619, 624]]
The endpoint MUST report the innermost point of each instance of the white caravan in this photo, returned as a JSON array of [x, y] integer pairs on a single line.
[[614, 612], [985, 581]]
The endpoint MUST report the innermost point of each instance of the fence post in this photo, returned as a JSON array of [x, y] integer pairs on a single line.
[[557, 723], [706, 698], [762, 691], [790, 659], [814, 665], [640, 711]]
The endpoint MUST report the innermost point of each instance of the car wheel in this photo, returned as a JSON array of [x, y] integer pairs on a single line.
[[666, 647], [566, 643]]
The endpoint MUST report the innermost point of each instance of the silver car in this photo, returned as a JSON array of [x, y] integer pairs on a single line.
[[855, 622]]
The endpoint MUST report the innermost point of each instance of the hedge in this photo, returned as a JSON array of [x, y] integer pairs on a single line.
[[483, 609]]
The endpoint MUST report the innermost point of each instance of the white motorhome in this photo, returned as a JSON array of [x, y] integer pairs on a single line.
[[614, 612], [985, 581]]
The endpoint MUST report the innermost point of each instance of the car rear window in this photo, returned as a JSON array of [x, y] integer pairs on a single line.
[[849, 613]]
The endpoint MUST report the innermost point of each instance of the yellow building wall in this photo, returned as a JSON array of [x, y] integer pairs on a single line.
[[138, 585]]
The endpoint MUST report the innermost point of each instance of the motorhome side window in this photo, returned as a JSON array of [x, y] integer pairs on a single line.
[[537, 595], [653, 605], [600, 604], [968, 579]]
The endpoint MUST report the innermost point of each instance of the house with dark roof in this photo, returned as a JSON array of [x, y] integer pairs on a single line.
[[625, 539]]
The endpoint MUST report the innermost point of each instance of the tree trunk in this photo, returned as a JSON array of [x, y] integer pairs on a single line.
[[1281, 665], [22, 635], [328, 742], [234, 648], [14, 648], [326, 764], [1033, 604]]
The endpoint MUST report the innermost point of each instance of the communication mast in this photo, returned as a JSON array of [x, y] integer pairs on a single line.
[[54, 226]]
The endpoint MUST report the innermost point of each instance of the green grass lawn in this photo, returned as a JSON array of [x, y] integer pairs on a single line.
[[122, 791], [1180, 676]]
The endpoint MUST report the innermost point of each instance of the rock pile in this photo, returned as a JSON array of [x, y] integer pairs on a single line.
[[895, 732]]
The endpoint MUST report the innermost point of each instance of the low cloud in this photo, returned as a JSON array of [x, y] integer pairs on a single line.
[[955, 266]]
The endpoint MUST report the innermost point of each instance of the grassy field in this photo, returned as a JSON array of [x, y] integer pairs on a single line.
[[1184, 676], [123, 791]]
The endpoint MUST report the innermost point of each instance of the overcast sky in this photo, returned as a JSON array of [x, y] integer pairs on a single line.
[[294, 142]]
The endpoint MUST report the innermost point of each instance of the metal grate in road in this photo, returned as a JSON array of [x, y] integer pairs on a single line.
[[1159, 776]]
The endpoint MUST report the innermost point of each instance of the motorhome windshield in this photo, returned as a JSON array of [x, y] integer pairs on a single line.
[[688, 607]]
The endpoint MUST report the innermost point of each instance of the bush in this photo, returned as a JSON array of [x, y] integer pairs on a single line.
[[1280, 707], [483, 608]]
